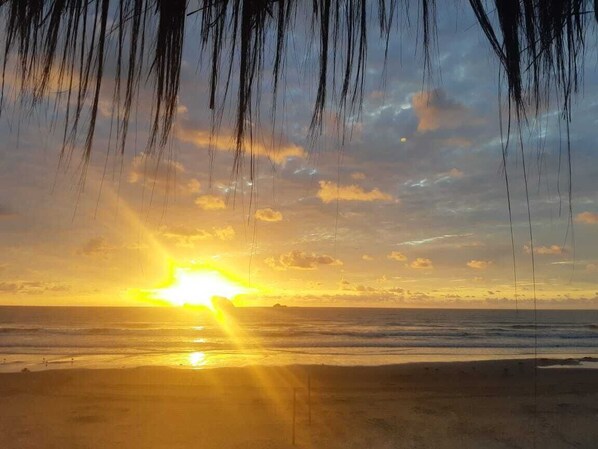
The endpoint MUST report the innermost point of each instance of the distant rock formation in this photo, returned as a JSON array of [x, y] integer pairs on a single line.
[[222, 304]]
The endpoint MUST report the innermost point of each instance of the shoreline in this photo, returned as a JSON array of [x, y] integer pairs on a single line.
[[198, 361], [581, 363], [542, 361]]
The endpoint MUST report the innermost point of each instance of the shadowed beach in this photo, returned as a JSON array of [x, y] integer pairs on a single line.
[[444, 405]]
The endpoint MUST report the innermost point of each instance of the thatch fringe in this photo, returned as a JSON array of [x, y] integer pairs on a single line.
[[65, 43]]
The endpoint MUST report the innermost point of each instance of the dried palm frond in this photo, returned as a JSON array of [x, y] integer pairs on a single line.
[[67, 43]]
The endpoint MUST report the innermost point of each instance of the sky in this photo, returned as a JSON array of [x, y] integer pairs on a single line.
[[408, 210]]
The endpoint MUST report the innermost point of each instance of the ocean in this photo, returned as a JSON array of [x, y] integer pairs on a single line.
[[39, 338]]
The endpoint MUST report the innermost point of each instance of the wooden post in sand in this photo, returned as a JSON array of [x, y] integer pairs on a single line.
[[294, 412], [309, 398]]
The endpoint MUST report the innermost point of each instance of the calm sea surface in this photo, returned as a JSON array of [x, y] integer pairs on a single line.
[[42, 338]]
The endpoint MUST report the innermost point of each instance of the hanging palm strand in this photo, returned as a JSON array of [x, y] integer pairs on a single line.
[[66, 43]]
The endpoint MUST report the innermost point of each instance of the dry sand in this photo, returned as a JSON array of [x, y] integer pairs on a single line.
[[454, 405]]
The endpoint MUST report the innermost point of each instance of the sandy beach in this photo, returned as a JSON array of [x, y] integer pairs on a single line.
[[448, 405]]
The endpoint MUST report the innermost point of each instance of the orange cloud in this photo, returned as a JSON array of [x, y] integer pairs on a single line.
[[268, 214], [301, 260], [367, 258], [455, 173], [186, 237], [358, 176], [194, 186], [96, 246], [360, 288], [33, 287], [457, 141], [57, 81], [422, 263], [592, 268], [278, 153], [478, 264], [435, 110], [396, 255], [5, 212], [226, 233], [161, 173], [210, 202], [330, 191], [587, 218]]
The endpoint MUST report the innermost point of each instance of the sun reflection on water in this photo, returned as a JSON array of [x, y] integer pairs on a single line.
[[197, 359]]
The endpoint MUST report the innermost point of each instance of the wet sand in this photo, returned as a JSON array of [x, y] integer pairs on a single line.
[[443, 405]]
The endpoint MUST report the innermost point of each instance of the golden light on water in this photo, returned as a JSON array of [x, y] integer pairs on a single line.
[[198, 286], [197, 359]]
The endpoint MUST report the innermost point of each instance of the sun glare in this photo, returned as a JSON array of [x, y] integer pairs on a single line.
[[199, 287], [197, 359]]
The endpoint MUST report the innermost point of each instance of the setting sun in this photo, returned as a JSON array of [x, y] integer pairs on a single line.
[[198, 287]]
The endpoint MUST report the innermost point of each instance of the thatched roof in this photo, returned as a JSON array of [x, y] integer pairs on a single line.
[[540, 45]]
